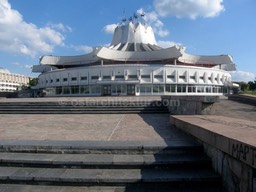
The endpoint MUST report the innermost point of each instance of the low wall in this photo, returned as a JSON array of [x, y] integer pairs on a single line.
[[231, 145], [189, 105], [244, 98]]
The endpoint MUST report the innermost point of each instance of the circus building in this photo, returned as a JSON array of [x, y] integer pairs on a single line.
[[134, 64]]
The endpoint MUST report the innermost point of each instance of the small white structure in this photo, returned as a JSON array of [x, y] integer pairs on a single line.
[[9, 82], [134, 65]]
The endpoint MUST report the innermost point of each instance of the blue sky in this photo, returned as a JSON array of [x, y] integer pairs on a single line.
[[31, 28]]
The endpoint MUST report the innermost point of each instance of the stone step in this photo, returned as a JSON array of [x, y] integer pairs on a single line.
[[178, 146], [129, 188], [107, 177], [104, 161]]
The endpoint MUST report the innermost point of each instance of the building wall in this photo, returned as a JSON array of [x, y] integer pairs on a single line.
[[147, 79], [9, 82]]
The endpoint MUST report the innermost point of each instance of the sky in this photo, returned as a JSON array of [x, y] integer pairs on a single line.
[[32, 28]]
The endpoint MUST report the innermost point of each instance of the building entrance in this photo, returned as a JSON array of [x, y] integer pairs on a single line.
[[130, 89], [106, 90]]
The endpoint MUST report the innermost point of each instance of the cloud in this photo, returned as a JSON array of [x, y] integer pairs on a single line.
[[189, 8], [152, 18], [109, 29], [166, 44], [19, 37], [242, 76], [82, 48]]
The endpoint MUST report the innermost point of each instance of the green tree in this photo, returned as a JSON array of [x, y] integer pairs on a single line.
[[33, 81]]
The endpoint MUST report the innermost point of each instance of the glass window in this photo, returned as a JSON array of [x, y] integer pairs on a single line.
[[83, 78], [158, 76], [119, 77], [200, 89], [73, 79], [65, 79], [58, 90], [84, 89], [66, 90], [132, 76], [94, 77], [181, 88], [74, 89], [170, 76], [95, 89], [145, 76], [191, 89], [106, 77], [57, 80]]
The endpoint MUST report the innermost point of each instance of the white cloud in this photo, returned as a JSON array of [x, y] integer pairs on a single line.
[[152, 18], [82, 48], [189, 8], [19, 37], [166, 44], [242, 76], [109, 29]]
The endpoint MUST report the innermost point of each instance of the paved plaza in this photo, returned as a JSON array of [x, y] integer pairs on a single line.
[[103, 127]]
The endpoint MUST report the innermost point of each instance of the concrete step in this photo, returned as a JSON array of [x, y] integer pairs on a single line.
[[107, 177], [104, 161], [173, 147], [128, 188]]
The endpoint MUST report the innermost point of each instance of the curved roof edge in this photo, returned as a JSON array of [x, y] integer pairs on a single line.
[[116, 55], [201, 59]]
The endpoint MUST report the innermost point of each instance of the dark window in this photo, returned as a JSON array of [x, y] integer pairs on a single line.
[[83, 78], [57, 80], [95, 77], [132, 76], [73, 79], [170, 76], [106, 77], [145, 76], [192, 77], [182, 77], [51, 81], [119, 76], [202, 77], [158, 76], [65, 79]]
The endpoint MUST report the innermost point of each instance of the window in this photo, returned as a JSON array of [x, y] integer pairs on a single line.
[[145, 76], [73, 79], [74, 89], [57, 80], [170, 76], [83, 78], [119, 77], [182, 77], [158, 88], [132, 76], [158, 76], [181, 88], [84, 89], [145, 88], [51, 81], [66, 90], [65, 79], [192, 77], [58, 90], [94, 77], [106, 77], [191, 89]]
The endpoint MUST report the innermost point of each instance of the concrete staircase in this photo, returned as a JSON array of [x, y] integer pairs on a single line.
[[88, 107], [105, 166]]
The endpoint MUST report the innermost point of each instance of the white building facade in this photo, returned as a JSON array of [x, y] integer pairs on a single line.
[[134, 65], [9, 82]]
